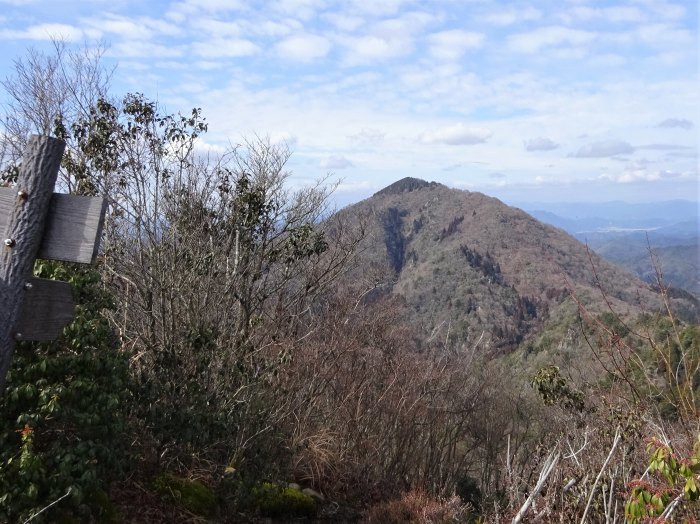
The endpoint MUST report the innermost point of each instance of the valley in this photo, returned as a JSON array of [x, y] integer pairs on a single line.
[[625, 233]]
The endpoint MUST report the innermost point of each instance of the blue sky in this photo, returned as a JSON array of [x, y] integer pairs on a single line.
[[545, 100]]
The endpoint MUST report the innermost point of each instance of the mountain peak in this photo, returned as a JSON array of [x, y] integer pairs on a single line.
[[406, 185], [479, 268]]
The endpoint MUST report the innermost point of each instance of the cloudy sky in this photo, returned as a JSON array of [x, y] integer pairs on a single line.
[[542, 100]]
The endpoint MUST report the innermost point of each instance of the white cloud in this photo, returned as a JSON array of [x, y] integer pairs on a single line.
[[676, 122], [335, 162], [285, 138], [551, 36], [622, 14], [204, 148], [142, 48], [451, 45], [408, 25], [658, 35], [68, 33], [303, 48], [368, 136], [186, 9], [301, 9], [664, 147], [217, 28], [273, 28], [504, 17], [370, 48], [385, 40], [615, 14], [379, 8], [344, 22], [142, 28], [640, 173], [540, 144], [225, 47], [362, 185], [204, 65], [607, 60], [457, 134], [682, 154], [192, 87], [606, 148], [665, 10], [408, 82]]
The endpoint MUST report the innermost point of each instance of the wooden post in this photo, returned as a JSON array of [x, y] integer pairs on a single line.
[[23, 236]]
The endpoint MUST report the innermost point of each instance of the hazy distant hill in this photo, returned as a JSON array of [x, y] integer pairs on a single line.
[[470, 267], [626, 232], [621, 214], [678, 259]]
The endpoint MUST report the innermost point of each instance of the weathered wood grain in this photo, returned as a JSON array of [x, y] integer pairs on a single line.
[[23, 231], [48, 306], [73, 225]]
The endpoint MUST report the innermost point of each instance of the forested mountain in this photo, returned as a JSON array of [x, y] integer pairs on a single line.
[[471, 268]]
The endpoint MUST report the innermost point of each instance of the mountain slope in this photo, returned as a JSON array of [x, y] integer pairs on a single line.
[[470, 268]]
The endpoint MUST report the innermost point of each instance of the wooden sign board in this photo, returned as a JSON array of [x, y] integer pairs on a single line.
[[47, 308], [73, 225]]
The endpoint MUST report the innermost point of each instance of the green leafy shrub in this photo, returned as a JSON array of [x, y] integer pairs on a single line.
[[62, 414], [554, 389], [192, 495], [272, 500], [671, 480]]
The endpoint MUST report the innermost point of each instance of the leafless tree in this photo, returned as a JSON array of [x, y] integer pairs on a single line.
[[47, 87]]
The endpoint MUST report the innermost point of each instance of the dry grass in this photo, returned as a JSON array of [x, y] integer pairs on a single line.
[[418, 507]]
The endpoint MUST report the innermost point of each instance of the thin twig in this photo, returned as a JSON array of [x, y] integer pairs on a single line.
[[672, 506], [616, 441], [548, 467], [47, 507], [574, 454]]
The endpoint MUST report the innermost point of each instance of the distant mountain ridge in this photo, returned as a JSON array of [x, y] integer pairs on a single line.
[[650, 213], [474, 268], [671, 229]]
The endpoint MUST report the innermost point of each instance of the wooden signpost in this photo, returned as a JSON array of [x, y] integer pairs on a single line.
[[48, 307], [37, 223], [72, 228]]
